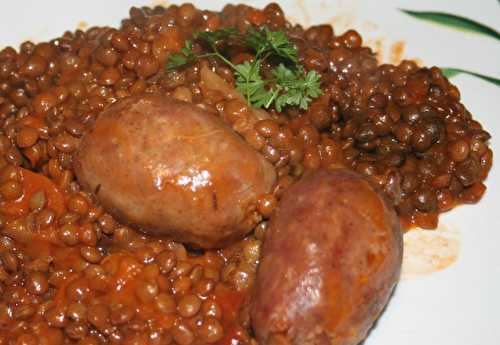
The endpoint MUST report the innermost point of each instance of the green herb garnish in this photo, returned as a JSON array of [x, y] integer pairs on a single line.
[[296, 87], [212, 37], [186, 56], [290, 84], [266, 43]]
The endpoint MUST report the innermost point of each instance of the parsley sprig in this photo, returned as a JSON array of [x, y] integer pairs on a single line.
[[266, 42], [290, 85], [186, 56]]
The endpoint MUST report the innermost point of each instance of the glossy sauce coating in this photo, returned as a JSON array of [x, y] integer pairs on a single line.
[[169, 168], [331, 257]]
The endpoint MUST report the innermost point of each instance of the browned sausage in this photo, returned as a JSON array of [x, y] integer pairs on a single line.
[[169, 168], [330, 260]]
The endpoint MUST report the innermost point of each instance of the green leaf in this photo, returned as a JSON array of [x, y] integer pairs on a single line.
[[251, 85], [212, 37], [296, 87], [452, 72], [255, 39], [266, 42], [186, 56], [454, 21]]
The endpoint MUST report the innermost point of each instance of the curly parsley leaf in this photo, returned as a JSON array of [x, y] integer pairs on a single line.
[[250, 83], [268, 43], [296, 88], [212, 37], [185, 57], [290, 87]]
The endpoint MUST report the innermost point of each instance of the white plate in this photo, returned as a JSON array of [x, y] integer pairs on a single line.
[[458, 305]]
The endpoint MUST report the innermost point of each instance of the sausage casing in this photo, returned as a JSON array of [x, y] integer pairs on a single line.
[[169, 168], [331, 257]]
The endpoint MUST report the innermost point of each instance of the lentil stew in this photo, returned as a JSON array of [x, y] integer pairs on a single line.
[[70, 273]]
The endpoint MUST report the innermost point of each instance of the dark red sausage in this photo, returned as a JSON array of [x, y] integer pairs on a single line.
[[331, 257]]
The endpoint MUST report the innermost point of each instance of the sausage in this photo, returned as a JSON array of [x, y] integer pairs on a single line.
[[169, 168], [331, 257]]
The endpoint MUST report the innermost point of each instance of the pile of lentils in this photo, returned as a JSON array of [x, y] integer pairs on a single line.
[[71, 274]]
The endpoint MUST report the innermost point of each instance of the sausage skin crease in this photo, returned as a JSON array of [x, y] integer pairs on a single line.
[[169, 168], [331, 257]]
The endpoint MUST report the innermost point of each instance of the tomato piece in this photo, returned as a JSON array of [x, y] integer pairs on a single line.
[[32, 183], [230, 302]]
